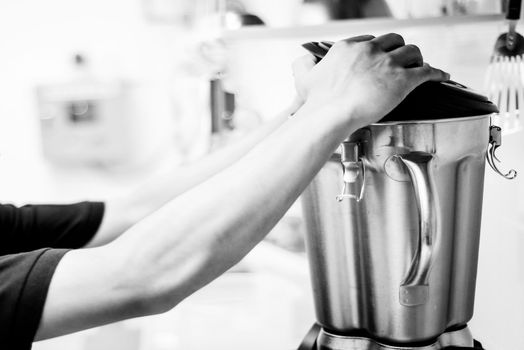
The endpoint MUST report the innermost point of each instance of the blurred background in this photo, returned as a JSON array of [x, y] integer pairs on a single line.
[[97, 95]]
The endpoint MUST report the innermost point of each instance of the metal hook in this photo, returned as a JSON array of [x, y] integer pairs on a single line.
[[495, 140]]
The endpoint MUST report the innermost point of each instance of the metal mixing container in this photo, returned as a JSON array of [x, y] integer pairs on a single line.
[[394, 256]]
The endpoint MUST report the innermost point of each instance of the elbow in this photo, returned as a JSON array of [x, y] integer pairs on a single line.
[[144, 297], [157, 276], [136, 289], [159, 288], [151, 300]]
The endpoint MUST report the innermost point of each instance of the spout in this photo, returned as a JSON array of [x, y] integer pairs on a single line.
[[352, 168]]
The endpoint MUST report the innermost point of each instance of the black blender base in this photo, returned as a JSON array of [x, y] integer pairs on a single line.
[[477, 346], [310, 341]]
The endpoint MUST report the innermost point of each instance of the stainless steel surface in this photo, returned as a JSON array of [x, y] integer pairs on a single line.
[[327, 341], [362, 253]]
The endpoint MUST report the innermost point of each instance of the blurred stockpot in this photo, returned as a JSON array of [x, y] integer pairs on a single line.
[[101, 121]]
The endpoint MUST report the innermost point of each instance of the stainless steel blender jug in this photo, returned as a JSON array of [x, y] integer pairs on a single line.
[[393, 219]]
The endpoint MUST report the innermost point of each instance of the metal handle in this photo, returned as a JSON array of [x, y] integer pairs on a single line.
[[414, 289]]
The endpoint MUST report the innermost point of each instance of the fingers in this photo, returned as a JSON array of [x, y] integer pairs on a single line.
[[303, 65], [326, 45], [360, 38], [408, 56], [389, 42], [425, 73]]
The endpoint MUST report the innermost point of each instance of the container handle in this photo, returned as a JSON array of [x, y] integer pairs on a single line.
[[414, 289]]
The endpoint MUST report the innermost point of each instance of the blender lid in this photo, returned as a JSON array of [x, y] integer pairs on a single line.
[[429, 101], [441, 100]]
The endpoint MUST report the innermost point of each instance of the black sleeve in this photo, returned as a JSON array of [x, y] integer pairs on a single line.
[[24, 282], [33, 227]]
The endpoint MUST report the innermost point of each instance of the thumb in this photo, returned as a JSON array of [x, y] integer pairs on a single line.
[[302, 65], [427, 73], [301, 68]]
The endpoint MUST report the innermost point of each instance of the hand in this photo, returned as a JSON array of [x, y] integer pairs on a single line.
[[301, 68], [364, 77]]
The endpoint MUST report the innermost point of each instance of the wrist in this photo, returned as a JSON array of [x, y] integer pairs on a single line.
[[295, 105], [340, 114], [326, 123]]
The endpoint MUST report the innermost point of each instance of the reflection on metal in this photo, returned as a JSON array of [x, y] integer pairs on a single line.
[[459, 339], [361, 253]]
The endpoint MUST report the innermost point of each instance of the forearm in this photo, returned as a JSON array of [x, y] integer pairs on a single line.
[[192, 239], [126, 210], [88, 289], [205, 231]]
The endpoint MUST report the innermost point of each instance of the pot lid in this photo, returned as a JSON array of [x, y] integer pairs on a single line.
[[441, 100]]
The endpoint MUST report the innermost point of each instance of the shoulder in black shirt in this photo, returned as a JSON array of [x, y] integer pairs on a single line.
[[33, 239]]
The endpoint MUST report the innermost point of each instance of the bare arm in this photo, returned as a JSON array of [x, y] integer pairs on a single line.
[[204, 231], [126, 210], [192, 239]]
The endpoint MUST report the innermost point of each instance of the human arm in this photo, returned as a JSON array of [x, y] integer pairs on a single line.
[[204, 231], [127, 209]]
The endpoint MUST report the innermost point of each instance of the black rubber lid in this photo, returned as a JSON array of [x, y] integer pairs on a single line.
[[429, 101], [434, 100]]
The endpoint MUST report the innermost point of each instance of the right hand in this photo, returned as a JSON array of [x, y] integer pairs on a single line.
[[363, 77]]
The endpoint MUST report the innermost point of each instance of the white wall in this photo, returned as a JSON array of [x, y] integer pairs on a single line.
[[37, 41]]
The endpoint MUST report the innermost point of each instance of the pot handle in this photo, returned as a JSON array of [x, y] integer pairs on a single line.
[[414, 289]]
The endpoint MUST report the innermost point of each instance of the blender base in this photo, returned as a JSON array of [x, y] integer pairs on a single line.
[[319, 339]]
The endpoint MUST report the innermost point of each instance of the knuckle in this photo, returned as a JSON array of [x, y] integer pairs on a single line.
[[369, 46], [359, 38], [426, 69], [389, 60], [303, 62], [397, 37], [400, 76], [342, 44], [414, 48]]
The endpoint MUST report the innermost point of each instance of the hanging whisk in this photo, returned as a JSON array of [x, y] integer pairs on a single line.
[[505, 76]]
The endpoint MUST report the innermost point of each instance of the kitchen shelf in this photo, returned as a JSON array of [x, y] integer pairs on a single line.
[[334, 28]]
